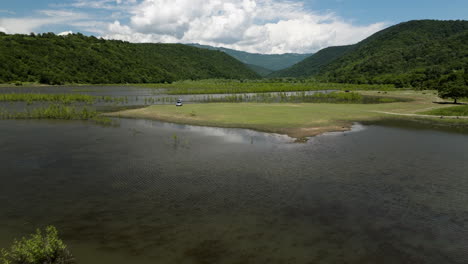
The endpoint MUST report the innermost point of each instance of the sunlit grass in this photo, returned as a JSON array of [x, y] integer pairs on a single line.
[[449, 111]]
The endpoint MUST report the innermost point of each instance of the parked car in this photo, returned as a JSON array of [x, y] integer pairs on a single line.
[[179, 102]]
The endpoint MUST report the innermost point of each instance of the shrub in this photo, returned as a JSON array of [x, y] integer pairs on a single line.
[[39, 248]]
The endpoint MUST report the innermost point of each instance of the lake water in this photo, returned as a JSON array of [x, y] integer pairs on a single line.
[[152, 192]]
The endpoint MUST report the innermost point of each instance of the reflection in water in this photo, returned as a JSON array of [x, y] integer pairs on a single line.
[[127, 195], [231, 135]]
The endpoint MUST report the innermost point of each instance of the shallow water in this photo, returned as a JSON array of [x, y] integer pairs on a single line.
[[132, 96], [152, 192]]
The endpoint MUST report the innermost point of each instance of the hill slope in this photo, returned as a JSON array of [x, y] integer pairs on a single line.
[[313, 64], [415, 53], [52, 59], [273, 62]]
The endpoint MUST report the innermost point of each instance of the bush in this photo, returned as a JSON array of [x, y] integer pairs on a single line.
[[40, 248]]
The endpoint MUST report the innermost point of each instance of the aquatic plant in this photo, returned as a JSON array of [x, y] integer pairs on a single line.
[[51, 112], [56, 98], [40, 248], [302, 97], [221, 86]]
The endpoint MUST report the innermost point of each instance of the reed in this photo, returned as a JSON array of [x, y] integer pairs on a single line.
[[51, 112], [55, 98], [216, 86], [302, 97]]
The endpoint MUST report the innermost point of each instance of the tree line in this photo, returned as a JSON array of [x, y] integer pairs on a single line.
[[51, 59]]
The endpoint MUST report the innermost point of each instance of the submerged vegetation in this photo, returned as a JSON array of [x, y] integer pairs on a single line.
[[222, 86], [302, 97], [60, 98], [54, 111], [56, 98], [59, 112], [43, 247]]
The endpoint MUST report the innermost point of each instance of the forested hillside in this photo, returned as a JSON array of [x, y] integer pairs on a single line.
[[413, 54], [313, 64], [51, 59]]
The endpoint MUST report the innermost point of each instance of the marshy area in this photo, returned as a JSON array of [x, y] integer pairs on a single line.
[[82, 103]]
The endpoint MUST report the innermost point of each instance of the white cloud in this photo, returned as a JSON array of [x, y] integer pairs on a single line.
[[26, 25], [65, 33], [264, 26]]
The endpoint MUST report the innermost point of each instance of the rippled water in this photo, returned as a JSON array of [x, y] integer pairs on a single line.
[[151, 192]]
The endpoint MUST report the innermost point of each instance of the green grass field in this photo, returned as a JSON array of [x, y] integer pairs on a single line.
[[296, 120], [450, 111]]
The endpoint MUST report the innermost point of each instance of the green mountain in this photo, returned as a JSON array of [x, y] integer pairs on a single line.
[[313, 64], [52, 59], [272, 62], [412, 54]]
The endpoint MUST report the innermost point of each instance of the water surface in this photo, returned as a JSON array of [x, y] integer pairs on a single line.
[[152, 192]]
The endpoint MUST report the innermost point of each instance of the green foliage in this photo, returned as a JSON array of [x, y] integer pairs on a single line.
[[313, 64], [218, 86], [57, 98], [415, 54], [40, 248], [51, 112], [454, 86], [75, 58], [450, 111]]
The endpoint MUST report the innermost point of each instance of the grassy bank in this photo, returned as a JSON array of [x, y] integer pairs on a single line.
[[296, 120]]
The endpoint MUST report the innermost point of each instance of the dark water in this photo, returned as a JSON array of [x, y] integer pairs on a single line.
[[150, 192]]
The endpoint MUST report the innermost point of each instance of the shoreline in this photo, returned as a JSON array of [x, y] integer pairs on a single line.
[[298, 133]]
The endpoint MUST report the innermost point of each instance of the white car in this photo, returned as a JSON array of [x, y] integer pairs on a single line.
[[179, 102]]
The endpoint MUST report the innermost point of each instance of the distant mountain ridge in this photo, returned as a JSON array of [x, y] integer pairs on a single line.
[[411, 54], [271, 62], [75, 58], [313, 64]]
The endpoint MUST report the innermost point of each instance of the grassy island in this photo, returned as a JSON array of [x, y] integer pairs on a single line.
[[296, 120]]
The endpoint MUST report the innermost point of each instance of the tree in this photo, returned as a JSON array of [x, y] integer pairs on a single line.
[[454, 86]]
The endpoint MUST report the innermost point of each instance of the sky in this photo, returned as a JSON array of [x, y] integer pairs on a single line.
[[260, 26]]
